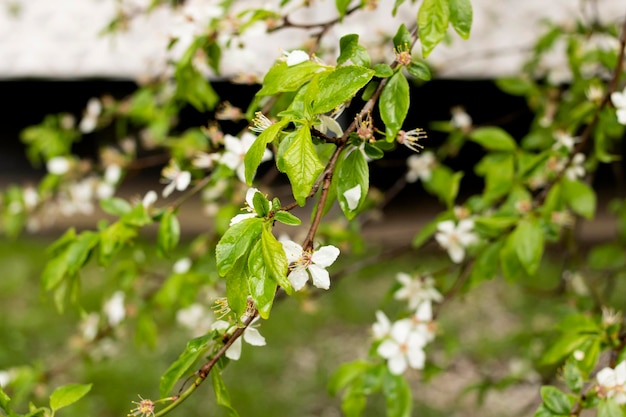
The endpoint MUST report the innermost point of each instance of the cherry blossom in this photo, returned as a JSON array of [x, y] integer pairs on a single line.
[[455, 238], [90, 119], [114, 309], [619, 101], [175, 178], [302, 263], [420, 167], [250, 335], [612, 383], [235, 153], [251, 213], [416, 290], [403, 348], [295, 57]]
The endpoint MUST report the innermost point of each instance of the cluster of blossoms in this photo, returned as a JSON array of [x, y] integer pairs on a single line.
[[402, 342]]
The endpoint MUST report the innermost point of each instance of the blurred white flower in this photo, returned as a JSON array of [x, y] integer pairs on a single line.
[[460, 119], [196, 318], [58, 165], [235, 152], [619, 101], [251, 336], [114, 309], [90, 117], [420, 166], [404, 348], [182, 266], [205, 160], [175, 179], [6, 377], [564, 140], [113, 173], [77, 198], [612, 383], [149, 199], [382, 327], [30, 197], [455, 238], [303, 263], [416, 290], [576, 169], [89, 326]]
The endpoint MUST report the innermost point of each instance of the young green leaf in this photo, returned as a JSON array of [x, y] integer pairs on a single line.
[[353, 172], [281, 78], [195, 349], [115, 206], [444, 183], [262, 289], [609, 408], [397, 395], [253, 157], [342, 7], [528, 241], [340, 86], [348, 45], [68, 394], [394, 104], [302, 165], [432, 21], [419, 70], [580, 197], [275, 260], [461, 17], [222, 396], [287, 218], [236, 243], [493, 139], [261, 204], [402, 38], [556, 401]]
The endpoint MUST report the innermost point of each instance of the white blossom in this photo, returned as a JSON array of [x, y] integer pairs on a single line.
[[182, 266], [420, 167], [460, 118], [112, 174], [612, 383], [58, 165], [149, 199], [564, 140], [235, 153], [251, 213], [205, 160], [89, 326], [90, 118], [404, 347], [175, 179], [303, 263], [422, 320], [295, 57], [576, 169], [6, 377], [196, 318], [416, 290], [382, 327], [455, 238], [260, 122], [353, 196], [250, 335], [619, 101], [114, 309]]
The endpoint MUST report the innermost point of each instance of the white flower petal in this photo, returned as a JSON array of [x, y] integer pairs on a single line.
[[250, 196], [325, 256], [381, 328], [397, 364], [253, 337], [169, 189], [241, 217], [320, 277], [298, 277], [388, 349], [292, 250], [58, 165], [353, 196], [296, 57], [416, 358], [234, 351], [457, 253], [446, 226]]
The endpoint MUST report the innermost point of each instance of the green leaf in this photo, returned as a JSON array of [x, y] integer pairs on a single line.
[[262, 289], [429, 229], [394, 104], [236, 243], [348, 45], [609, 408], [556, 401], [402, 39], [5, 400], [281, 78], [419, 70], [432, 21], [573, 377], [498, 168], [275, 260], [398, 396], [237, 288], [192, 87], [579, 197], [253, 157], [494, 226], [221, 393], [607, 256], [515, 86], [345, 374], [382, 70], [70, 261], [261, 204], [512, 268], [302, 165], [493, 139], [115, 206], [68, 394], [528, 241], [195, 349], [486, 264], [340, 86], [444, 183], [169, 233], [287, 218], [461, 17], [353, 172], [564, 345]]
